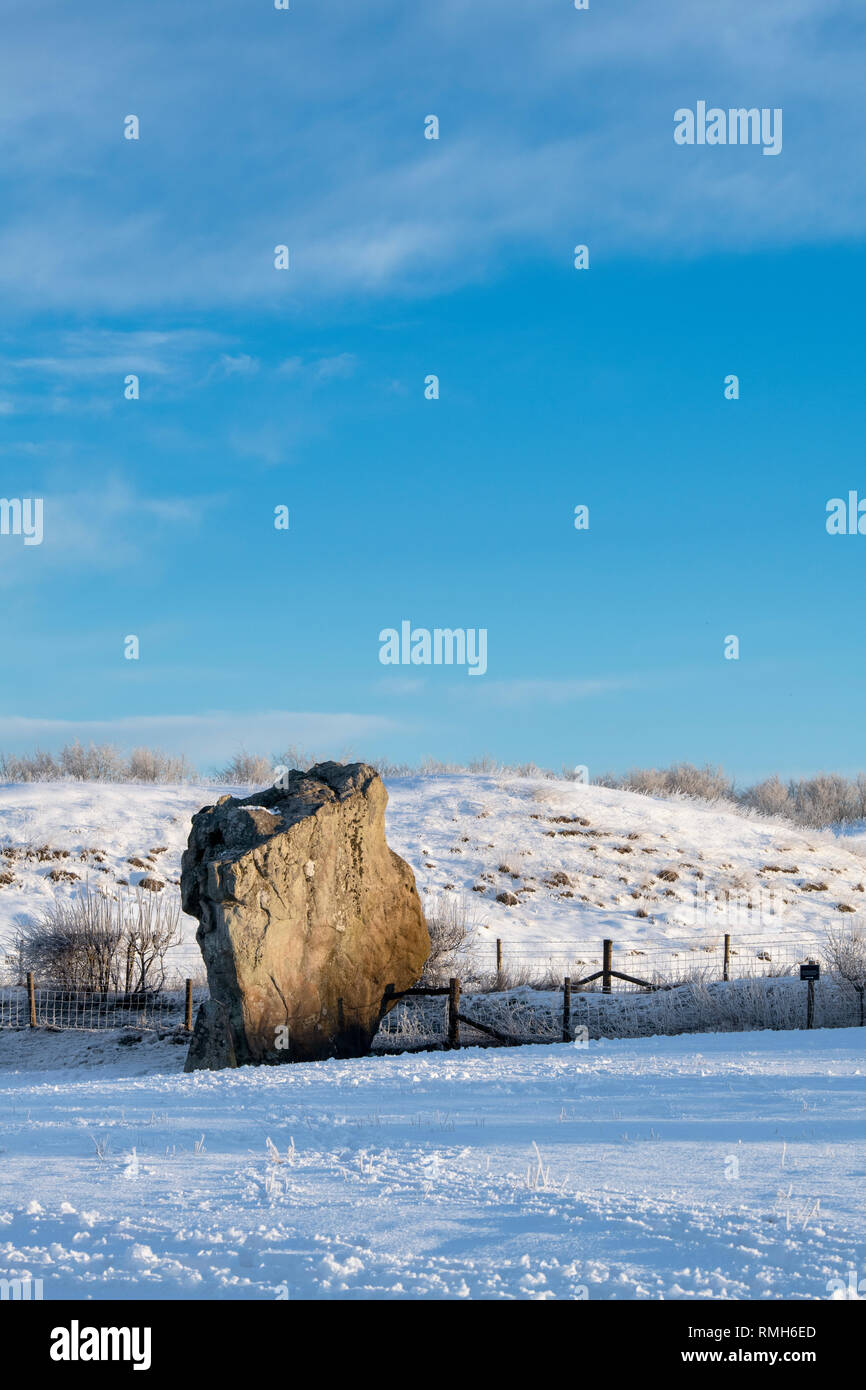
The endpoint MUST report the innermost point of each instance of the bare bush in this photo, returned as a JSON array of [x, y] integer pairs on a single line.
[[823, 800], [826, 800], [301, 759], [101, 942], [771, 797], [484, 766], [75, 945], [152, 765], [37, 766], [452, 928], [845, 958], [247, 770], [479, 767], [680, 779], [151, 926], [95, 763]]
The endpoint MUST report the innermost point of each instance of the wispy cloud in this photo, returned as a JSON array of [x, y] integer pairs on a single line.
[[532, 691], [397, 686], [270, 444], [206, 738], [554, 691], [317, 369], [567, 134], [98, 352], [239, 364], [97, 529]]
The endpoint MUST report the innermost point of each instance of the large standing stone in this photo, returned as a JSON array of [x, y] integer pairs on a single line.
[[305, 916]]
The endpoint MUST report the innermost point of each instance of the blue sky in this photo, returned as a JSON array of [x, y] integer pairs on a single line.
[[453, 257]]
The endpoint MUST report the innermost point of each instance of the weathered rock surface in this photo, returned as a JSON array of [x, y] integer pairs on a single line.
[[212, 1046], [305, 915]]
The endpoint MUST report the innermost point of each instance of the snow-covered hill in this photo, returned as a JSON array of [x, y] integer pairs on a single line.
[[549, 867], [584, 863]]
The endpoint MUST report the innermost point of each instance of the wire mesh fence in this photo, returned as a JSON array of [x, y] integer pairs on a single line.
[[529, 1015], [49, 1007], [724, 957], [720, 983], [564, 994]]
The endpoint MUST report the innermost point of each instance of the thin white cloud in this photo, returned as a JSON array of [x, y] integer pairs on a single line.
[[240, 364], [205, 738], [544, 691], [398, 686], [562, 133], [97, 529], [338, 367], [269, 444], [292, 366], [331, 368], [107, 352]]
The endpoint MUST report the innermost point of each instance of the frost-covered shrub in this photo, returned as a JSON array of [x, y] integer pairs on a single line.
[[823, 800], [247, 770], [94, 763], [152, 765], [29, 767], [452, 927], [680, 779], [827, 799], [101, 942], [845, 958], [771, 797]]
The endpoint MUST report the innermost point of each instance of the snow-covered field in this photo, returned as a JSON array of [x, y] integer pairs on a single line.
[[680, 1168], [582, 862]]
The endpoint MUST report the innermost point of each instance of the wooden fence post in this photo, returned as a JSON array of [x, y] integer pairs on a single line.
[[498, 956], [566, 1010], [453, 1010], [726, 968], [188, 1010], [31, 998], [606, 966]]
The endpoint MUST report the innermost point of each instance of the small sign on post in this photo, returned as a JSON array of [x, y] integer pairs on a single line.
[[810, 971]]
